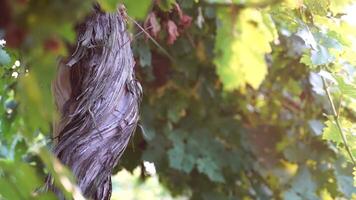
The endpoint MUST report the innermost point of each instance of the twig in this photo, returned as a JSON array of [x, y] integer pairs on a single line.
[[336, 117], [263, 4], [151, 38], [339, 106], [135, 36]]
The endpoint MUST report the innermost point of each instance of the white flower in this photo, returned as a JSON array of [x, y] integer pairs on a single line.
[[149, 167], [15, 74], [2, 42], [17, 63]]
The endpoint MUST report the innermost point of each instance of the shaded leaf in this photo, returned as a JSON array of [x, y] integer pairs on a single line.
[[303, 186], [4, 57], [207, 166]]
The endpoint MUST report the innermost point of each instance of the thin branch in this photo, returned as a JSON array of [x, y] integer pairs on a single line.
[[263, 4], [135, 36], [336, 117], [151, 38], [339, 106]]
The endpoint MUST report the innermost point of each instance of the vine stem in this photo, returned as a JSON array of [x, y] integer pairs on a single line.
[[336, 118], [151, 38]]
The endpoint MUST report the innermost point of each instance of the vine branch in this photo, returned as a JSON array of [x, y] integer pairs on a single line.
[[260, 5], [336, 116]]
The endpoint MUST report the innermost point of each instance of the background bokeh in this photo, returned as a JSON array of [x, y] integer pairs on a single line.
[[243, 99]]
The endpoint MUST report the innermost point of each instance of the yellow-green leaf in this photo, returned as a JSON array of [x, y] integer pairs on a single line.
[[241, 44], [331, 131], [135, 9]]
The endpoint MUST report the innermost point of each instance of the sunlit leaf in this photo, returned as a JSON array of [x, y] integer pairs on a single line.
[[200, 139], [137, 10], [321, 56], [331, 131], [347, 89], [241, 43], [134, 9], [166, 5], [319, 7]]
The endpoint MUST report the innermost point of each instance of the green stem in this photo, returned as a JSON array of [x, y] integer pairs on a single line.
[[262, 4], [338, 124]]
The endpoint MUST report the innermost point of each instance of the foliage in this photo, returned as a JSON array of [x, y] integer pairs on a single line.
[[238, 56], [242, 99]]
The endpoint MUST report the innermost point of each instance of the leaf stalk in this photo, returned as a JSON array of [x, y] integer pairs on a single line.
[[336, 116]]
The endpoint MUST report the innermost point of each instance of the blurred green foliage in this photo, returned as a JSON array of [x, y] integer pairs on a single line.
[[249, 99]]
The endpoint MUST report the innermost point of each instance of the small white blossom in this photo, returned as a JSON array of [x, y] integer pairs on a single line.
[[17, 63], [149, 167], [15, 74], [2, 42]]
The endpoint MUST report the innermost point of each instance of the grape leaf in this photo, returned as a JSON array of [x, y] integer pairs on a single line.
[[303, 186], [20, 175], [241, 44], [134, 9], [208, 167], [166, 5], [319, 7], [331, 131], [321, 56], [344, 180], [179, 160], [346, 89], [4, 57], [144, 53]]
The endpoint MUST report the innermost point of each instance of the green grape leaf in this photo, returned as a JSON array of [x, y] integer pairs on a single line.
[[331, 131], [306, 59], [144, 53], [207, 166], [337, 6], [179, 160], [178, 156], [4, 57], [108, 5], [321, 56], [344, 179], [319, 7], [166, 5], [303, 186], [324, 47], [241, 44], [346, 89], [134, 9], [175, 156], [21, 177]]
